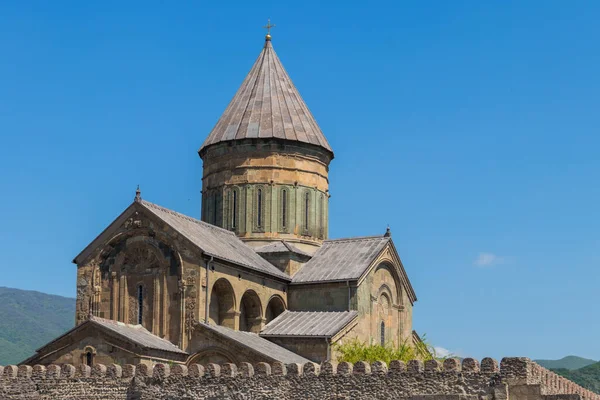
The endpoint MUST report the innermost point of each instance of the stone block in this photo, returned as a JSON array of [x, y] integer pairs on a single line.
[[397, 366], [470, 365], [24, 371], [161, 371], [179, 370], [379, 368], [262, 369], [116, 371], [99, 370], [414, 366], [452, 365], [361, 368], [196, 371], [246, 370]]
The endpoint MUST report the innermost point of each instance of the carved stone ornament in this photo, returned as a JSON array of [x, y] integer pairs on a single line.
[[190, 320]]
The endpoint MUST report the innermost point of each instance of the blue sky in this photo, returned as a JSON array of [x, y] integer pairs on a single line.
[[471, 128]]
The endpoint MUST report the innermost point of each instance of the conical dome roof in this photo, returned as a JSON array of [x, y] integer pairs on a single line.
[[267, 105]]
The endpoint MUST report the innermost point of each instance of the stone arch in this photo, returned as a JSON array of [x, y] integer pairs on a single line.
[[222, 304], [251, 319], [216, 355], [88, 356], [275, 307], [396, 292]]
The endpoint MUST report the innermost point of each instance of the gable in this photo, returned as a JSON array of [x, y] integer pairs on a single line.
[[208, 239], [341, 260], [389, 257]]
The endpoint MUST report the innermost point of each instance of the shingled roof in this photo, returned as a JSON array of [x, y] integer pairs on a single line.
[[209, 239], [267, 105], [255, 343], [309, 323], [136, 334], [341, 259], [214, 241]]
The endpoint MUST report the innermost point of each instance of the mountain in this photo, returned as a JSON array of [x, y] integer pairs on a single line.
[[29, 320], [569, 363], [588, 377]]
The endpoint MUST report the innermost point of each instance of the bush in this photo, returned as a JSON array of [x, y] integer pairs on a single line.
[[356, 350]]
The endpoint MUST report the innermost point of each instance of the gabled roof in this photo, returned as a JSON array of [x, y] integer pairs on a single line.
[[214, 241], [209, 239], [280, 246], [309, 323], [255, 343], [341, 259], [134, 334], [267, 105]]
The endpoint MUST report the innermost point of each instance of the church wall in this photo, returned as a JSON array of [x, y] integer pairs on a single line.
[[313, 349], [240, 282], [321, 297]]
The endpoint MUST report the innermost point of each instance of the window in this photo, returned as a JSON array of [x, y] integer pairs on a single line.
[[140, 303], [382, 333], [215, 209], [283, 208], [321, 213], [306, 209], [88, 358], [234, 210], [259, 201]]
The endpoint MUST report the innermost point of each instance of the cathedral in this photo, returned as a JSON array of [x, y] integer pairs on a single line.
[[256, 278]]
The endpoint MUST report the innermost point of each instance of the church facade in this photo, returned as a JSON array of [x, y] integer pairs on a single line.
[[256, 278]]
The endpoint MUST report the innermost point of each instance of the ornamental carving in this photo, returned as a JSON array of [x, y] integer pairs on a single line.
[[190, 319], [140, 257]]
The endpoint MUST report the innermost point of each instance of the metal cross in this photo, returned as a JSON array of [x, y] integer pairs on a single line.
[[269, 26]]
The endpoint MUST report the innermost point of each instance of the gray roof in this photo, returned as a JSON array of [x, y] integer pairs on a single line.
[[341, 259], [256, 343], [280, 246], [136, 334], [309, 323], [214, 241], [267, 105]]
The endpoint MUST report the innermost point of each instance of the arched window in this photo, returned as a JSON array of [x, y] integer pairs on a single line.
[[88, 358], [382, 333], [234, 210], [140, 294], [306, 210], [215, 206], [321, 213], [259, 204], [283, 208]]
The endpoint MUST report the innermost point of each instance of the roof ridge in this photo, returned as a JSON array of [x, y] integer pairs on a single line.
[[347, 239], [187, 217]]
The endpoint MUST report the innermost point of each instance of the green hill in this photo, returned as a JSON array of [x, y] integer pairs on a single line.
[[30, 319], [569, 363], [588, 377]]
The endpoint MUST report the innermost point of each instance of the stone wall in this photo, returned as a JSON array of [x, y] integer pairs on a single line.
[[517, 378]]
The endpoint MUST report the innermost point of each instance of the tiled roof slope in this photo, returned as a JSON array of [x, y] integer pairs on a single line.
[[267, 105], [280, 246], [214, 241], [137, 334], [309, 323], [256, 343], [341, 259]]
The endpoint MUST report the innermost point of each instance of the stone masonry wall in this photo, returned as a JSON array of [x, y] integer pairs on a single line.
[[517, 378]]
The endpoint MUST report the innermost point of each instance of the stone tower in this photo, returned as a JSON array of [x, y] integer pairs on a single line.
[[266, 163]]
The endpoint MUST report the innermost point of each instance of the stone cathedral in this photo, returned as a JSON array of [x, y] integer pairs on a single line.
[[257, 277]]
